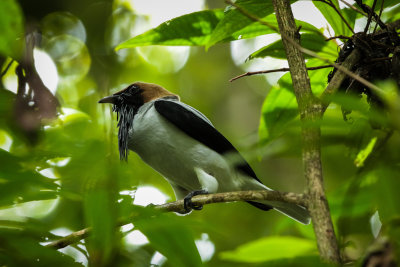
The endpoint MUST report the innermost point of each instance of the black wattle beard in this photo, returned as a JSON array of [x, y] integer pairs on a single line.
[[125, 115]]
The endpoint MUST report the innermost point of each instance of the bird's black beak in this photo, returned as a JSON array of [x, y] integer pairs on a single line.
[[108, 99]]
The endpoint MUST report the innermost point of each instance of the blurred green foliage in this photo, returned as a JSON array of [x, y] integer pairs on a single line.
[[72, 177]]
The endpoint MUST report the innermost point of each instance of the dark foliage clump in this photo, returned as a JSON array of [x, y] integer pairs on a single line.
[[380, 60]]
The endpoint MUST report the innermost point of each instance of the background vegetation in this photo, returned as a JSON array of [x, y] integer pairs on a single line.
[[59, 165]]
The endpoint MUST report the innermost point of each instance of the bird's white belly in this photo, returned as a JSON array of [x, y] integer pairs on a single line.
[[177, 156]]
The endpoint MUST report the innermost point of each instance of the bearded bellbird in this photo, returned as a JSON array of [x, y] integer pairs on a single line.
[[182, 145]]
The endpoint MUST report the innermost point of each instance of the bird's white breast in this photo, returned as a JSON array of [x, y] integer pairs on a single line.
[[174, 154]]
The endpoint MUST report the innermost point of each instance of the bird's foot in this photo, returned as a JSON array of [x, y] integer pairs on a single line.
[[187, 201]]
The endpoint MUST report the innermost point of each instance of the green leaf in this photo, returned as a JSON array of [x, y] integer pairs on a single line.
[[11, 28], [386, 3], [364, 153], [20, 248], [280, 106], [234, 20], [336, 22], [169, 235], [312, 42], [392, 14], [191, 29], [257, 29], [20, 184], [278, 109], [197, 28], [271, 248]]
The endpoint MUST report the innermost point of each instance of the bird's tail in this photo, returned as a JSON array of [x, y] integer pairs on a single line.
[[294, 211]]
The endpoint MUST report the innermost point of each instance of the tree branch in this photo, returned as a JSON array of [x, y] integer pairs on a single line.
[[287, 38], [310, 111], [354, 8], [338, 78], [250, 73], [177, 206], [368, 10], [70, 239], [332, 5], [338, 37], [370, 17]]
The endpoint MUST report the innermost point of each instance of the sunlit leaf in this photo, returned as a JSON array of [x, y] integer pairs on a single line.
[[173, 238], [191, 29], [392, 14], [386, 3], [20, 184], [364, 153], [279, 108], [386, 191], [11, 28], [312, 42], [271, 248], [234, 20], [197, 28], [336, 22], [21, 249]]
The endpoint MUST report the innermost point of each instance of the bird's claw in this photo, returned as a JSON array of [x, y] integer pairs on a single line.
[[187, 201]]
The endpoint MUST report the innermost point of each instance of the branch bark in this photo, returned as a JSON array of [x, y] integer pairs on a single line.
[[338, 78], [310, 111], [250, 73], [177, 206]]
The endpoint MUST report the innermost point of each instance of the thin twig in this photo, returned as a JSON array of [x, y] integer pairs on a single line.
[[341, 16], [338, 37], [356, 77], [354, 8], [370, 16], [378, 59], [250, 73], [6, 69], [368, 10], [380, 14], [199, 200], [70, 239], [332, 5]]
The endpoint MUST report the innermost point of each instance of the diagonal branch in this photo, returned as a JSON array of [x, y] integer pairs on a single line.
[[368, 10], [356, 77], [199, 200], [250, 73], [354, 8], [331, 4], [370, 17], [338, 78]]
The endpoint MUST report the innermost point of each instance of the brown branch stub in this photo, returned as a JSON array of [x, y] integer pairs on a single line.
[[70, 239]]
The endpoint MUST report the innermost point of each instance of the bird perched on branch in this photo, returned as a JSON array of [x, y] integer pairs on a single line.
[[181, 144]]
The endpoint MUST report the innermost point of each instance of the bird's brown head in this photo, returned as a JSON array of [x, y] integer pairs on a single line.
[[127, 103]]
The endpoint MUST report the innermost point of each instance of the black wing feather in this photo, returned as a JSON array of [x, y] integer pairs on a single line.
[[201, 130]]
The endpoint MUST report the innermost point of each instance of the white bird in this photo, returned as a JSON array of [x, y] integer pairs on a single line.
[[182, 145]]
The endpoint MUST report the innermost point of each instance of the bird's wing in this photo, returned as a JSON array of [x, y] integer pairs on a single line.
[[197, 126]]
